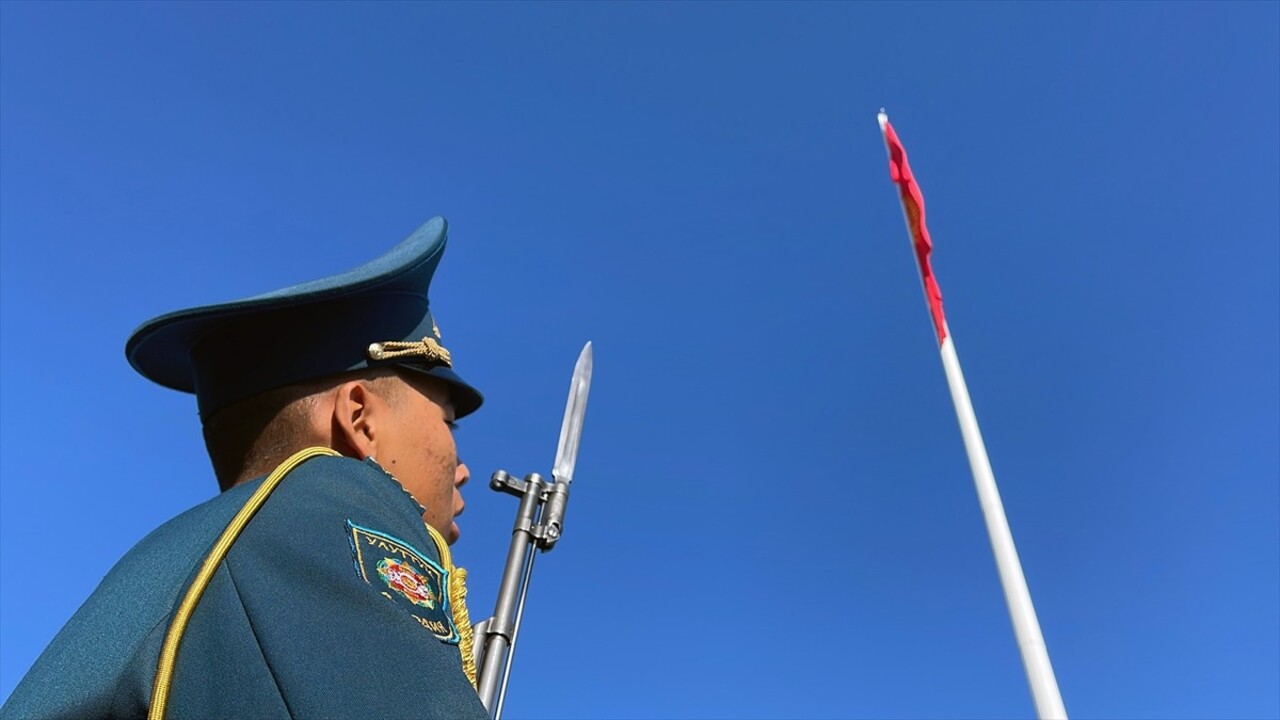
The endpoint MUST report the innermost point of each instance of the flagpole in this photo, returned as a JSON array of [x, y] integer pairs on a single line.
[[1035, 655]]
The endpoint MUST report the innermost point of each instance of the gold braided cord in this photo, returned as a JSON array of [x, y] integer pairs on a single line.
[[462, 618], [173, 638], [458, 603], [427, 348]]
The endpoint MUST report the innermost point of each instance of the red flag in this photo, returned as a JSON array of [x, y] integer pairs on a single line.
[[913, 206]]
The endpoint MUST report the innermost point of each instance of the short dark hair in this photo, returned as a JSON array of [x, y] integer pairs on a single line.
[[252, 436]]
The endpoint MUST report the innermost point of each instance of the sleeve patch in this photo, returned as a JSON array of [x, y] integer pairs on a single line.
[[406, 577]]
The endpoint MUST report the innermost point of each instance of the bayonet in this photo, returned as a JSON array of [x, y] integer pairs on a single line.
[[574, 410]]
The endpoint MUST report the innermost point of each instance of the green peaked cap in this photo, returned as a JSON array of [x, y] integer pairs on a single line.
[[371, 316]]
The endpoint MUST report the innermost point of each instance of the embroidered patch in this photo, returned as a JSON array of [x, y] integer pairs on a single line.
[[416, 583], [400, 576]]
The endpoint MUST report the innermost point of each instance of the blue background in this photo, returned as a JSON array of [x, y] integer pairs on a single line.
[[773, 515]]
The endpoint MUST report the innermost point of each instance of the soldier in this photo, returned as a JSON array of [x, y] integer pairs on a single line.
[[319, 582]]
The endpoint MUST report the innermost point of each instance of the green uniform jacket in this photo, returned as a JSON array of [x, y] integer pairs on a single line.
[[333, 602]]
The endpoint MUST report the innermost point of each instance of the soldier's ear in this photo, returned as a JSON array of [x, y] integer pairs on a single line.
[[357, 412]]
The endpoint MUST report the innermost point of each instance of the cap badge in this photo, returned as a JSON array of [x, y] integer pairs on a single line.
[[426, 348]]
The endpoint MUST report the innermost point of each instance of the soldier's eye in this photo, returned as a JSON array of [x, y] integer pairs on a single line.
[[453, 426]]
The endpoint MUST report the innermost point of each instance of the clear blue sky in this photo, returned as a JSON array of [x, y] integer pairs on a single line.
[[773, 515]]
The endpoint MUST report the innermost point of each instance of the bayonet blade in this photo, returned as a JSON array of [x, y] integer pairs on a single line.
[[574, 411]]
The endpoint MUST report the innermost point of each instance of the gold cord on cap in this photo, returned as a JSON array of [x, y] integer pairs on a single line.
[[426, 348]]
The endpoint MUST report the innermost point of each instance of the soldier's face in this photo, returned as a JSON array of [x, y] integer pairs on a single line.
[[418, 449]]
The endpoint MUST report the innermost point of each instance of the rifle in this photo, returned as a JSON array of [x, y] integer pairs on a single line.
[[538, 526]]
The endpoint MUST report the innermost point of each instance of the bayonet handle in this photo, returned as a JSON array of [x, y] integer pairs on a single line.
[[553, 514]]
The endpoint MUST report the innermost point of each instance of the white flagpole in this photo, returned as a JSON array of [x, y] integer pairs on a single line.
[[1035, 655]]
